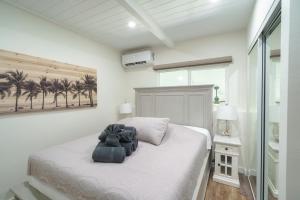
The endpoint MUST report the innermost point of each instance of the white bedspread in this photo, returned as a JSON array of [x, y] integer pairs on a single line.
[[165, 172], [203, 131]]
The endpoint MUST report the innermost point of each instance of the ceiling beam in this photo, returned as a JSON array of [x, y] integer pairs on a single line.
[[135, 10]]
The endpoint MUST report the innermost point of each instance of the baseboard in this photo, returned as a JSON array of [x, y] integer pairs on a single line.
[[227, 181], [252, 172], [252, 189], [247, 172], [274, 191], [243, 170], [7, 196]]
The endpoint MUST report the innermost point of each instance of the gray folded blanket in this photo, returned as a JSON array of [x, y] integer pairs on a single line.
[[116, 142], [112, 140], [103, 153], [128, 134], [128, 147], [135, 144], [111, 129]]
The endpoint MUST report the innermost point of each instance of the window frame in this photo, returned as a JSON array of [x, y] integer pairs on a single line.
[[189, 72]]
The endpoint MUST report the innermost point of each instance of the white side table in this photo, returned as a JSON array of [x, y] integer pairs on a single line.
[[226, 160]]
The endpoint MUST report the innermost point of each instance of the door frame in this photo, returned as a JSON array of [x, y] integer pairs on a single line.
[[263, 108]]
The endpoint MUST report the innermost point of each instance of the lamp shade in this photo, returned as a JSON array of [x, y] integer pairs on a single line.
[[125, 108], [226, 112]]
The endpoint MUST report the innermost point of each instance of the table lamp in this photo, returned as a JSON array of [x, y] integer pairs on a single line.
[[227, 113], [125, 108]]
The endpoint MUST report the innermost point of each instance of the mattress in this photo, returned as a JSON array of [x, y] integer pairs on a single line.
[[165, 172], [205, 132]]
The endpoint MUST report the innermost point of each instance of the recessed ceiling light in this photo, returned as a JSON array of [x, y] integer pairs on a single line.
[[131, 24], [214, 1]]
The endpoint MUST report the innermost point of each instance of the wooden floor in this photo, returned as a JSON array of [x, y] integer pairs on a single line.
[[253, 183], [218, 191]]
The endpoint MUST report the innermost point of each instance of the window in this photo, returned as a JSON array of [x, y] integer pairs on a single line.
[[214, 76], [195, 76], [173, 78]]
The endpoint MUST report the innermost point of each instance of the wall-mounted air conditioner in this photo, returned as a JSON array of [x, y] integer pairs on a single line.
[[137, 59]]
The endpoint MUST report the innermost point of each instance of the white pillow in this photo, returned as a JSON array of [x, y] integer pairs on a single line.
[[151, 130]]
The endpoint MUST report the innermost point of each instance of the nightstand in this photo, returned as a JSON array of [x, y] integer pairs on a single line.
[[227, 160]]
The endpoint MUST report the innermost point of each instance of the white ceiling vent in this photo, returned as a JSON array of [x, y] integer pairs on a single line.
[[138, 59]]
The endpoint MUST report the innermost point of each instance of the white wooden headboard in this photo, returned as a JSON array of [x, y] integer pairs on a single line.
[[187, 105]]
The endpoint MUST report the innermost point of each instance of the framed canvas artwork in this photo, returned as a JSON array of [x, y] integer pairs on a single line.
[[30, 84]]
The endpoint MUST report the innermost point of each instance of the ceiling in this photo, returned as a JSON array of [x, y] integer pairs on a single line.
[[106, 20]]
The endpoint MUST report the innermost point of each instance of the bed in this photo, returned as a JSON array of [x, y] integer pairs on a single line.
[[178, 169]]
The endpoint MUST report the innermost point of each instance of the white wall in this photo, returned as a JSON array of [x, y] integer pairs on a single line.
[[229, 44], [25, 133], [261, 13]]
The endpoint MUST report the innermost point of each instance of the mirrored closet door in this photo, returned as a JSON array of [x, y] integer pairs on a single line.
[[263, 111], [252, 96], [272, 111]]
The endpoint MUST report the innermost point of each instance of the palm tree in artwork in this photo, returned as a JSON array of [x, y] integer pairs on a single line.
[[56, 89], [90, 85], [45, 88], [16, 79], [2, 76], [4, 87], [31, 90], [78, 90], [66, 88]]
